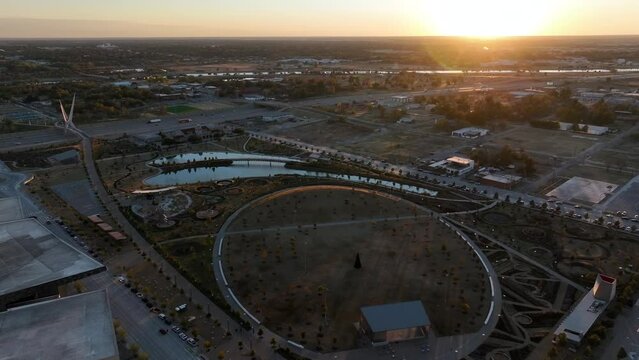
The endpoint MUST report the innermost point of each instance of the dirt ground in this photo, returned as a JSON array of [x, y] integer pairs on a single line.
[[292, 256], [551, 142], [396, 143]]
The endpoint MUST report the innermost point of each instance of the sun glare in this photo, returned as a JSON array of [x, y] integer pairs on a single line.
[[487, 18]]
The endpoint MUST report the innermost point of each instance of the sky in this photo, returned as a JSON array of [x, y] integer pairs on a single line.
[[253, 18]]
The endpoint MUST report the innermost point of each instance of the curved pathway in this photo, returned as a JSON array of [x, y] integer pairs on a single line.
[[442, 348]]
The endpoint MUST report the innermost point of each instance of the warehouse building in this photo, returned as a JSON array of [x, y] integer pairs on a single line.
[[35, 262]]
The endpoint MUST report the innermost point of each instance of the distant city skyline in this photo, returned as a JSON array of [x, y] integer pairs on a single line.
[[252, 18]]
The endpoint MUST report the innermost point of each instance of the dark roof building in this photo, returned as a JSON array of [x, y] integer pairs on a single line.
[[76, 327], [395, 322], [34, 262]]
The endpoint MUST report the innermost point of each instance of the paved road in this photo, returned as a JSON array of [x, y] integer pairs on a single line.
[[141, 325], [170, 123], [26, 140]]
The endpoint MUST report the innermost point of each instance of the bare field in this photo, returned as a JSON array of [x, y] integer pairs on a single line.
[[403, 146], [326, 133], [291, 261], [398, 143], [611, 175], [551, 142]]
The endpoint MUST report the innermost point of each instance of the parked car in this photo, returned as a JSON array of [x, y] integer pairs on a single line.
[[180, 308], [176, 329], [163, 331]]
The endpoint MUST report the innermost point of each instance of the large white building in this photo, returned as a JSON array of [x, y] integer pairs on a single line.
[[590, 130], [455, 165], [590, 308]]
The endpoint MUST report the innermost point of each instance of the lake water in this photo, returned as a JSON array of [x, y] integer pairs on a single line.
[[216, 155], [257, 169]]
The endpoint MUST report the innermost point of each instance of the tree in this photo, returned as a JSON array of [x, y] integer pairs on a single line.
[[220, 355], [561, 339], [622, 354], [358, 262]]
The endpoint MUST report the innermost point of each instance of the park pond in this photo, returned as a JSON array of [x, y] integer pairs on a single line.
[[256, 169], [217, 155]]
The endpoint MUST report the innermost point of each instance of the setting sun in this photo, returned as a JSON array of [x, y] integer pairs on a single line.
[[489, 18]]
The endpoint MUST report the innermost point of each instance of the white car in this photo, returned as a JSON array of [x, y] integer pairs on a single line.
[[180, 308]]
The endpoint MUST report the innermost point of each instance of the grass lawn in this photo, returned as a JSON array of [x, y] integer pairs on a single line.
[[290, 259]]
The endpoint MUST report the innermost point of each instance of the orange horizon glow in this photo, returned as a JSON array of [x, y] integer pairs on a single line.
[[288, 18]]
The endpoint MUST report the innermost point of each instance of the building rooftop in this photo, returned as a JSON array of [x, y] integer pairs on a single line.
[[504, 179], [581, 318], [32, 256], [75, 327], [395, 316], [68, 155], [469, 129], [459, 160], [10, 209]]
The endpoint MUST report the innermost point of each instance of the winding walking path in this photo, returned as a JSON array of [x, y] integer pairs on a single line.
[[442, 348]]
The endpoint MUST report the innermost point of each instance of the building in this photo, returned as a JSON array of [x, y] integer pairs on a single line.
[[277, 116], [500, 181], [64, 158], [470, 133], [254, 97], [592, 305], [35, 262], [78, 327], [402, 99], [588, 129], [406, 120], [394, 322], [455, 165]]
